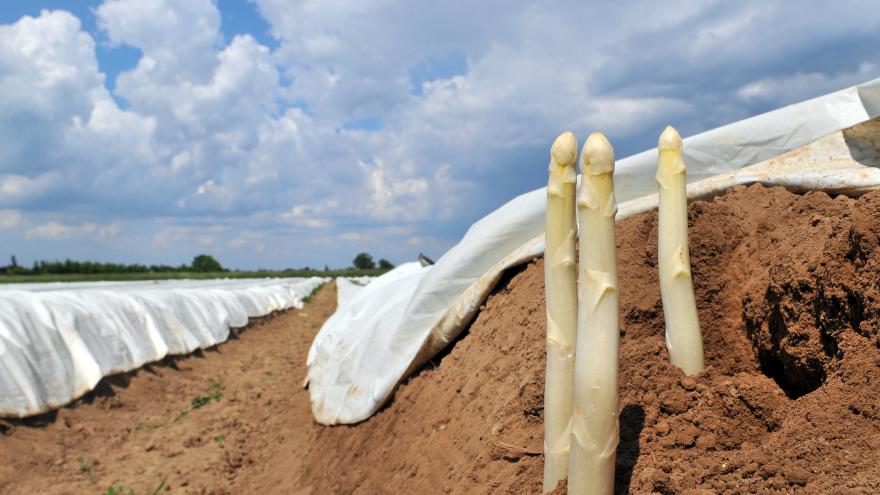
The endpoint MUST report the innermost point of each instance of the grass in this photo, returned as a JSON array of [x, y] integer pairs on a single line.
[[84, 465], [213, 394], [311, 294], [200, 401], [249, 363], [122, 277], [159, 488], [120, 489], [143, 425]]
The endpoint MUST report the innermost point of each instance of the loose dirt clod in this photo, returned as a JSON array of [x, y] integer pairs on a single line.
[[789, 401]]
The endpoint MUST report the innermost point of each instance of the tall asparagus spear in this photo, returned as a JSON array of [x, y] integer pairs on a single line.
[[683, 338], [561, 295], [595, 429]]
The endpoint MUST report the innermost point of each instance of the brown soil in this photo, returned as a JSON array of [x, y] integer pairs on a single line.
[[217, 422], [787, 289]]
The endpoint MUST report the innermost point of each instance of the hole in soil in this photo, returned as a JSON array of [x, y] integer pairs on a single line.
[[795, 380], [632, 421], [783, 355], [796, 329]]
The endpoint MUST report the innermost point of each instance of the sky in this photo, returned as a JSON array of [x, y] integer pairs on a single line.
[[273, 134]]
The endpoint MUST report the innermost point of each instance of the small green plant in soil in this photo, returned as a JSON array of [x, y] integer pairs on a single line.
[[144, 425], [213, 394], [118, 490]]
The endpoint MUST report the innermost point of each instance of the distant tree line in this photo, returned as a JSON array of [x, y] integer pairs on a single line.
[[201, 263], [363, 264]]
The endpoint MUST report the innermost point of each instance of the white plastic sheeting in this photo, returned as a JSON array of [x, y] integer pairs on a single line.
[[426, 314], [341, 341], [348, 287], [58, 340]]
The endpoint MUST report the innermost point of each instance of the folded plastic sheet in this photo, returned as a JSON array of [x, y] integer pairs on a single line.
[[58, 340], [348, 287], [424, 316], [339, 342]]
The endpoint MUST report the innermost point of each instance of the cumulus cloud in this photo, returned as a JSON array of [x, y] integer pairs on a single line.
[[16, 189], [10, 219], [56, 230], [203, 235], [802, 85], [311, 216], [367, 117]]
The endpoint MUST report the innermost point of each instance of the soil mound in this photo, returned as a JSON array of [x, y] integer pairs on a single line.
[[787, 291]]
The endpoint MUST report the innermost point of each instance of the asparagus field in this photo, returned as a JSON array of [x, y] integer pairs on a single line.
[[788, 401]]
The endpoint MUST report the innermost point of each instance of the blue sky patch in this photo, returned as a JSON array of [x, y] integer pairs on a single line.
[[442, 66]]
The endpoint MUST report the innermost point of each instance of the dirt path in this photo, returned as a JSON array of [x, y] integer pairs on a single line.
[[211, 423]]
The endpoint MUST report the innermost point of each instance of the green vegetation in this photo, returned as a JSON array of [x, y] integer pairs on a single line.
[[120, 489], [206, 263], [199, 401], [201, 263], [364, 261], [159, 488], [143, 425], [311, 294], [203, 267], [213, 394], [84, 465]]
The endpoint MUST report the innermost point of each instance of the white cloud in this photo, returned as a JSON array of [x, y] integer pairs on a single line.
[[204, 235], [109, 231], [396, 198], [10, 219], [178, 37], [55, 230], [17, 188], [801, 85], [310, 215]]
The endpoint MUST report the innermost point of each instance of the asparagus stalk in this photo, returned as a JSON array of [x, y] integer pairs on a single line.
[[561, 295], [683, 338], [595, 429]]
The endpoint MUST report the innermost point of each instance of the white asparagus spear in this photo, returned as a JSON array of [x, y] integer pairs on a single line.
[[560, 278], [683, 338], [595, 429]]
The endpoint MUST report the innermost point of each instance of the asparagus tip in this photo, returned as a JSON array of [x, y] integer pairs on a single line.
[[564, 149], [598, 155], [670, 140]]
